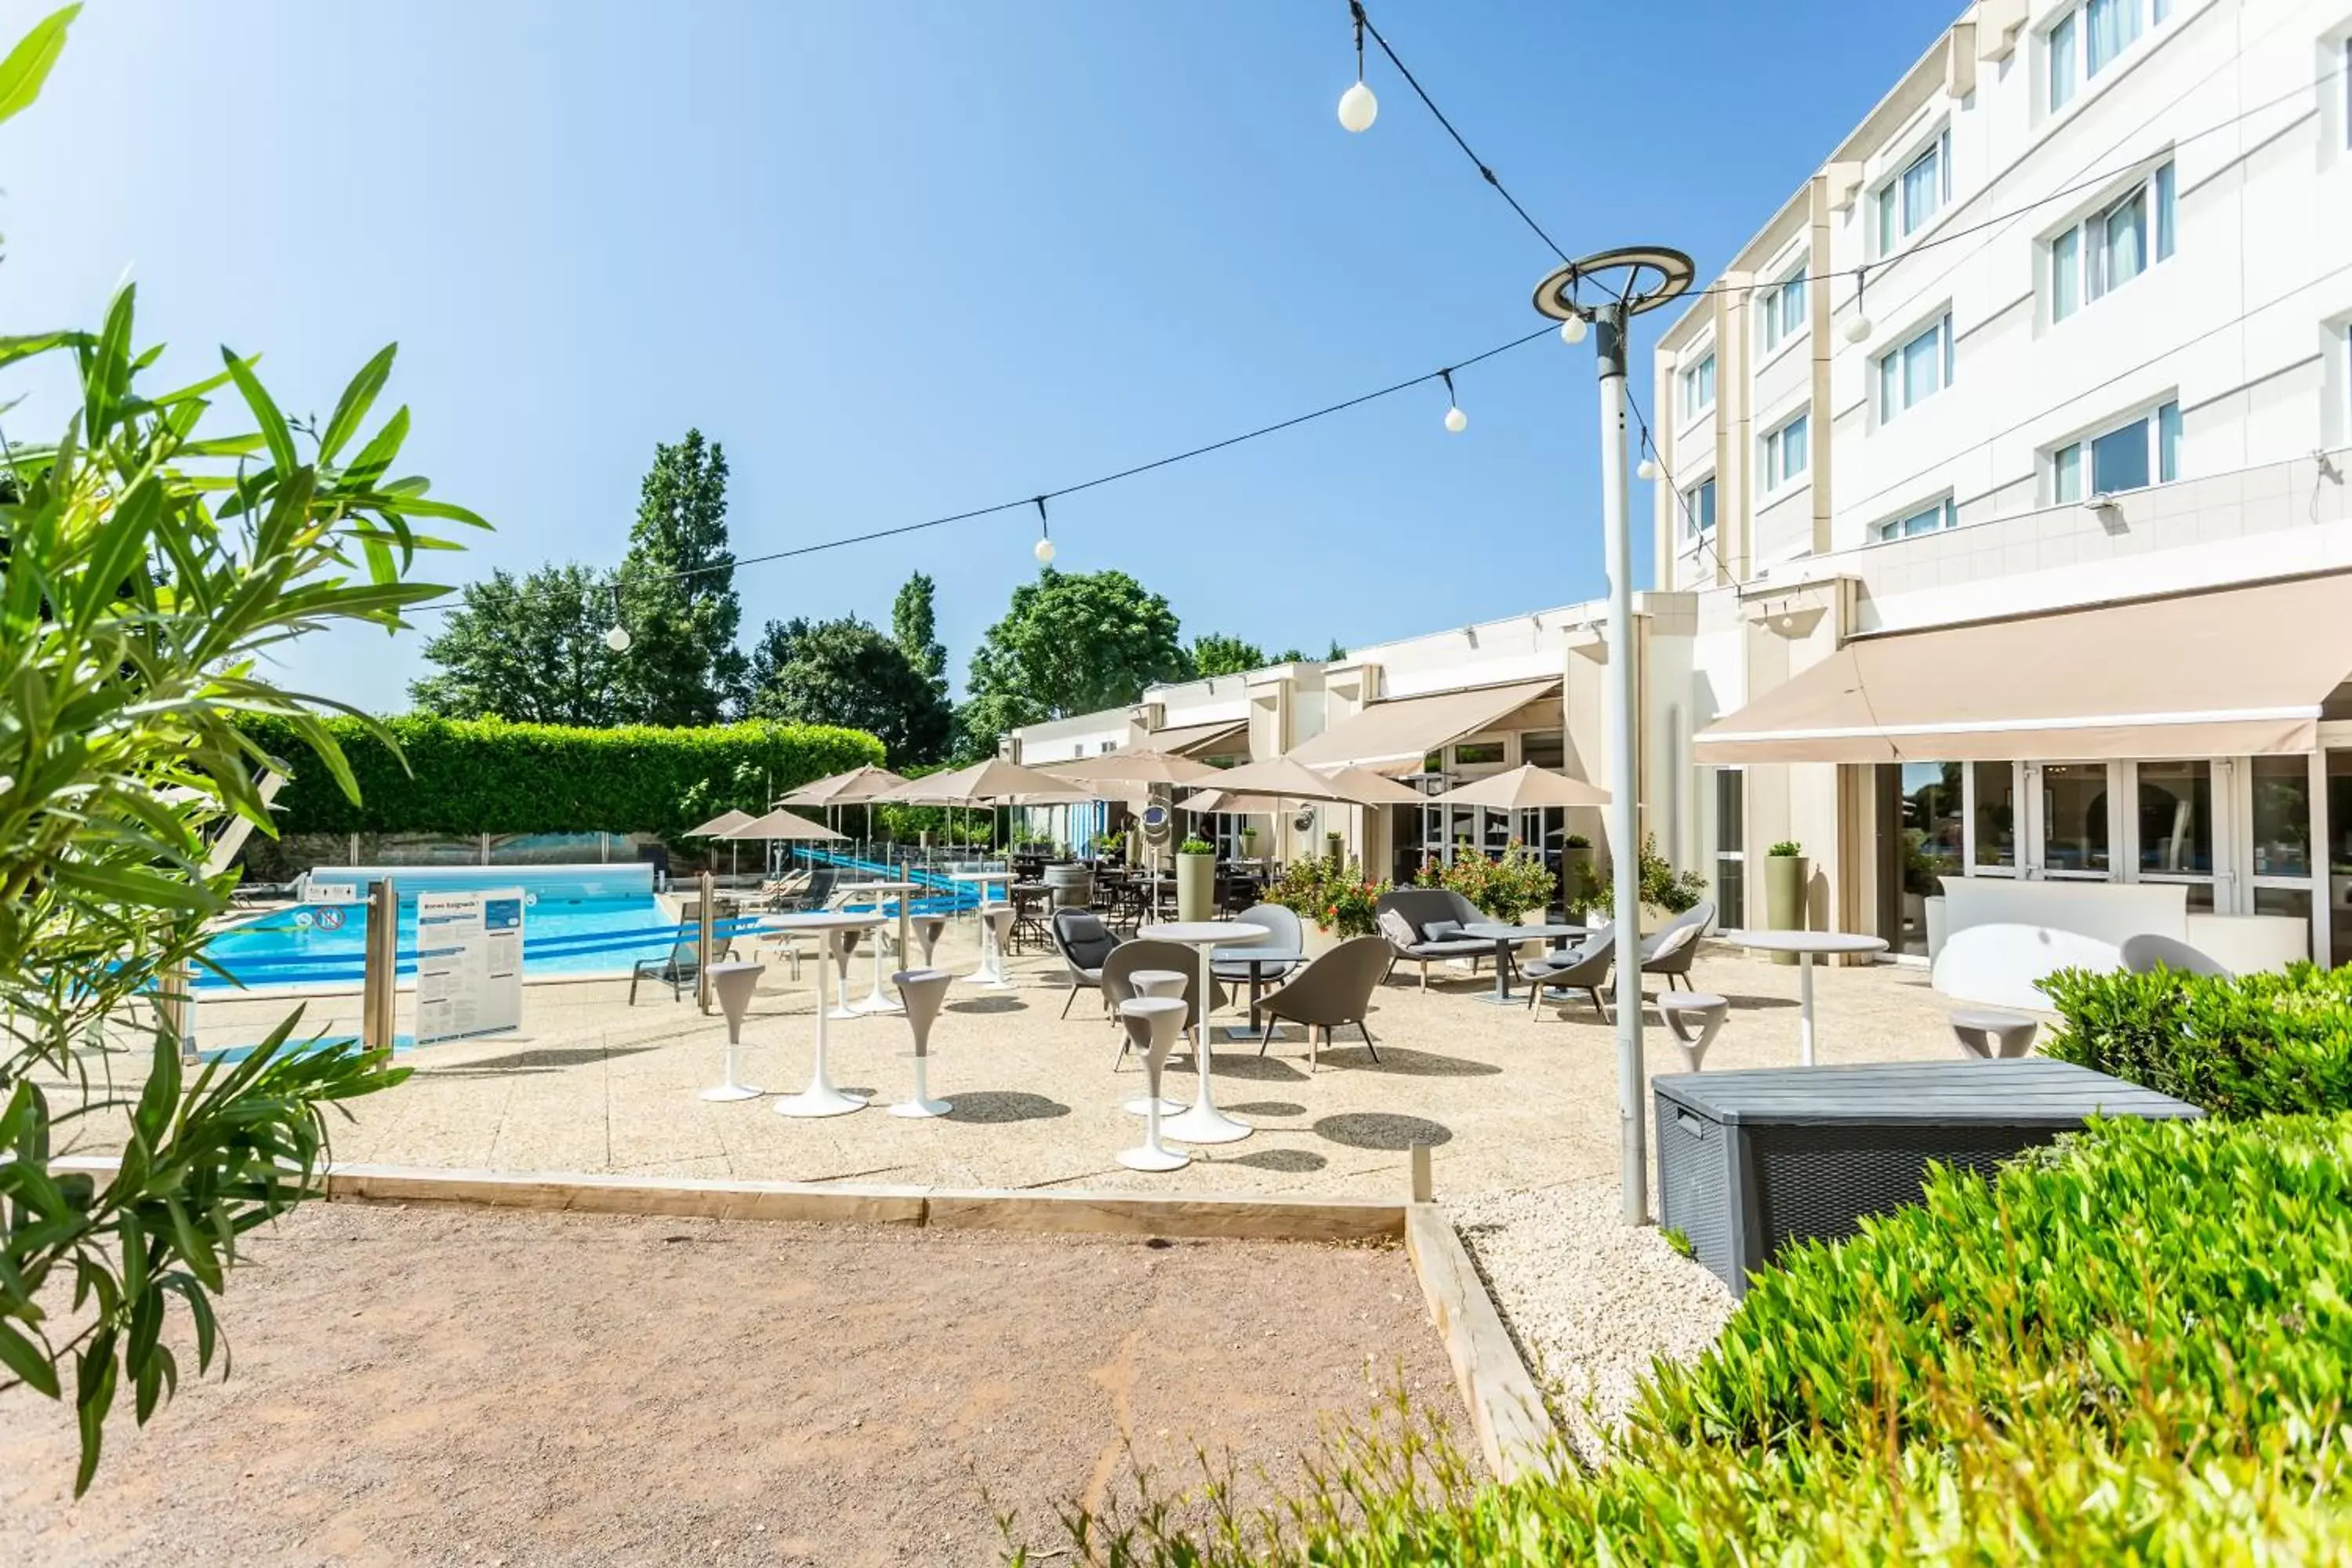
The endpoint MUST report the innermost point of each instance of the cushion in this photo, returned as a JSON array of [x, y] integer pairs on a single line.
[[1441, 931], [1397, 929]]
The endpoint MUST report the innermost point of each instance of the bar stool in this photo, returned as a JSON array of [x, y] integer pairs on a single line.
[[734, 983], [927, 929], [1993, 1034], [1000, 932], [1151, 984], [1694, 1018], [1153, 1023], [842, 944], [922, 992]]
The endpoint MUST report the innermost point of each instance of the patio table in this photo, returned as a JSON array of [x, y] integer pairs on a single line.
[[1805, 945], [1258, 959], [982, 881], [1507, 937], [821, 1098], [1204, 1123], [878, 1000]]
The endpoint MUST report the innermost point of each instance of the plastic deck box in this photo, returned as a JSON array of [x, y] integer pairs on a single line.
[[1750, 1161]]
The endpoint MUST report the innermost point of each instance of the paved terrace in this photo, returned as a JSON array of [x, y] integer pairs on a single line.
[[1509, 1102]]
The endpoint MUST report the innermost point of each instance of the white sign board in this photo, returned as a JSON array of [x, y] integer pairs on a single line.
[[320, 892], [468, 963]]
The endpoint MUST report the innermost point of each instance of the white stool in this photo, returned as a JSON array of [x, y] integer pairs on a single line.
[[1152, 983], [1694, 1018], [734, 983], [1153, 1023], [844, 944], [927, 929], [1993, 1034], [1000, 932], [921, 991]]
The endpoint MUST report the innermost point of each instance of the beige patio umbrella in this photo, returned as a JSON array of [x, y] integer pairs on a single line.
[[1527, 788], [719, 827], [855, 787], [1265, 786], [781, 823], [1139, 766], [992, 783]]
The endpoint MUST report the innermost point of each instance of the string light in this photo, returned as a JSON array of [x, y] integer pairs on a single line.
[[1647, 469], [1456, 421], [1358, 106], [1857, 330], [1043, 549], [1572, 330], [617, 637]]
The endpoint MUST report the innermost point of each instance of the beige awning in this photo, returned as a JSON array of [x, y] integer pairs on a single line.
[[2234, 672], [1187, 739], [1394, 737]]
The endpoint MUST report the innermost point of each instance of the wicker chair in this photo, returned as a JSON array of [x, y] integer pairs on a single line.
[[1332, 992]]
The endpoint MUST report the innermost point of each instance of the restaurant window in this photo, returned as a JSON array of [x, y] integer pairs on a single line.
[[1993, 818], [1920, 843], [1477, 753], [2175, 807], [1730, 857], [1544, 749], [2074, 840], [2282, 808]]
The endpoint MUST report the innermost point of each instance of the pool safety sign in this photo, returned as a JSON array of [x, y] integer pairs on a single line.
[[468, 963]]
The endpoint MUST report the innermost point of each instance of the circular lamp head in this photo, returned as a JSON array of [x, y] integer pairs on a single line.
[[1857, 327], [1358, 108], [1456, 421], [617, 640], [1648, 469], [1572, 330], [1044, 550], [1641, 277]]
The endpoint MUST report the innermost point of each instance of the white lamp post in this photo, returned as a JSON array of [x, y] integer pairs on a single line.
[[1624, 283]]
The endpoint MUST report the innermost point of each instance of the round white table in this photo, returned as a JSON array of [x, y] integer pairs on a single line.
[[821, 1099], [877, 893], [992, 964], [1204, 1123], [1805, 945]]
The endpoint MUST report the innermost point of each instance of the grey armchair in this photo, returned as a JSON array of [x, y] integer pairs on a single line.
[[1331, 993], [1284, 933], [2147, 953], [1130, 956], [1410, 934], [1665, 952], [1584, 967], [1084, 942]]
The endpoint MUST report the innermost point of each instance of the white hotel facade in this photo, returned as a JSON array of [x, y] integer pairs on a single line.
[[2003, 506]]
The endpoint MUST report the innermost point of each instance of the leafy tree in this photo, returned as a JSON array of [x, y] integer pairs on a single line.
[[1070, 643], [532, 651], [148, 573], [678, 592], [1214, 654], [846, 673], [914, 623]]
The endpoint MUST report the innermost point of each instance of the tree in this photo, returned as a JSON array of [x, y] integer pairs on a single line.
[[914, 623], [150, 573], [678, 592], [845, 672], [1070, 643], [532, 651], [1215, 653]]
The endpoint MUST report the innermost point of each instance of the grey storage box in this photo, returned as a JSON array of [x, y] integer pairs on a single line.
[[1749, 1161]]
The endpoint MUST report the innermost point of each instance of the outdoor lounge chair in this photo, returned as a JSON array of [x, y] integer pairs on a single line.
[[2146, 954], [1427, 925], [1084, 942], [1665, 952], [812, 894], [1331, 993], [1283, 934], [1584, 967], [681, 969]]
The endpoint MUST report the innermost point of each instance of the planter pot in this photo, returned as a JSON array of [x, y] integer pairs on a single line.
[[1196, 886], [1786, 879], [1320, 940]]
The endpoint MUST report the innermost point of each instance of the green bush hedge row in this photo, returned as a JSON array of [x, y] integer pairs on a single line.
[[470, 775], [2134, 1348], [2247, 1047]]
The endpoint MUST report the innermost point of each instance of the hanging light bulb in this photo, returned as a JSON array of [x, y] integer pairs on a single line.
[[616, 636], [1857, 326], [1456, 421], [1572, 330], [1647, 468], [1043, 549], [1358, 106]]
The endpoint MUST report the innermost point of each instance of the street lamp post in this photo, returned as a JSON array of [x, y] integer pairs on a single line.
[[1623, 284]]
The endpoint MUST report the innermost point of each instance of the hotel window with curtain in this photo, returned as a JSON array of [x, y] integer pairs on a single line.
[[2090, 259], [1786, 453], [2130, 457], [1921, 191], [2086, 39], [1698, 510], [1699, 388], [1933, 518], [1916, 371], [1784, 311]]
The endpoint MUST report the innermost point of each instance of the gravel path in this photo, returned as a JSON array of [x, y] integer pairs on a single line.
[[1592, 1299]]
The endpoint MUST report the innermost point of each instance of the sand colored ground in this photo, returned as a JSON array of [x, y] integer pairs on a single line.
[[436, 1384]]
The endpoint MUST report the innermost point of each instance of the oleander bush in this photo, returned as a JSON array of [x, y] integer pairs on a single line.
[[2135, 1347], [485, 775], [2246, 1046]]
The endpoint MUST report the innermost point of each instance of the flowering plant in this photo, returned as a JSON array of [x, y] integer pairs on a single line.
[[1337, 897], [1504, 889]]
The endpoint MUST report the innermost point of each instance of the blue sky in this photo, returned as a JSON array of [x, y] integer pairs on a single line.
[[906, 259]]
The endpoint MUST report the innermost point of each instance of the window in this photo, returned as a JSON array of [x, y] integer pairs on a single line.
[[2115, 245], [1544, 749], [2063, 79], [2121, 459], [1699, 387], [1784, 311], [1916, 371], [1933, 518], [1477, 753], [1918, 194], [1785, 453], [1698, 510], [2092, 37]]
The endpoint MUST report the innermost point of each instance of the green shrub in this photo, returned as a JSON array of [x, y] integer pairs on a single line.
[[484, 775], [2247, 1047], [1332, 895], [1785, 849], [1661, 886], [1196, 846], [2137, 1347], [1504, 889]]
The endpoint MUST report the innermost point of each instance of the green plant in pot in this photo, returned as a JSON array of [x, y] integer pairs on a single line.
[[1786, 874], [1196, 879]]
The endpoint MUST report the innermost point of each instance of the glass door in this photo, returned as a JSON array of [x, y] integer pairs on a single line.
[[2070, 826], [2174, 808]]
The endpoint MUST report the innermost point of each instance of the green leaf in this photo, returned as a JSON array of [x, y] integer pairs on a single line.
[[275, 432], [21, 1356], [93, 1397], [27, 64], [108, 376], [357, 399], [376, 457]]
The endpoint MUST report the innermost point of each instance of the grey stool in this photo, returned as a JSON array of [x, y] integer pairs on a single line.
[[1153, 983], [1694, 1018], [1153, 1023], [734, 982], [844, 943], [922, 992], [1992, 1034], [927, 929]]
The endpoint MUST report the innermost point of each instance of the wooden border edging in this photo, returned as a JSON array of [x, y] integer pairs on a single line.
[[1507, 1410]]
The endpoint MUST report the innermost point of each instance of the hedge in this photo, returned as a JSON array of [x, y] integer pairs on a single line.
[[2135, 1347], [483, 776], [2244, 1047]]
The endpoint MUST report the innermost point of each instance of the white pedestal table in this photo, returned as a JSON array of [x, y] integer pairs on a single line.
[[821, 1098], [1204, 1123], [1806, 946]]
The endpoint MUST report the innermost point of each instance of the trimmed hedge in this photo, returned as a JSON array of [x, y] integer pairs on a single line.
[[2248, 1047], [2134, 1347], [484, 775]]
